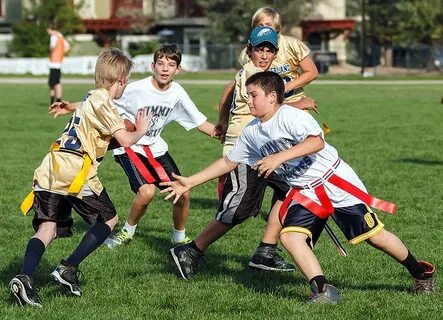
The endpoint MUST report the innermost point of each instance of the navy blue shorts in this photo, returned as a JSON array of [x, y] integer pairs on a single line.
[[136, 180], [56, 208], [357, 222], [54, 77], [243, 194]]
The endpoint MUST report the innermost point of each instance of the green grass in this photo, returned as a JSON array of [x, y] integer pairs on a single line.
[[391, 136]]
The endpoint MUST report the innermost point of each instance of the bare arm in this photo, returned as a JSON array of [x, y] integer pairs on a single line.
[[224, 106], [63, 107], [183, 184], [208, 128], [309, 146], [126, 138], [309, 74]]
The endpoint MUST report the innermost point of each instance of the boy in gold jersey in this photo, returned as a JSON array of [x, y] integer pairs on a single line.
[[67, 178]]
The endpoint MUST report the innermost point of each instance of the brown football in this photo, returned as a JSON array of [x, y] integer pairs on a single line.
[[129, 125]]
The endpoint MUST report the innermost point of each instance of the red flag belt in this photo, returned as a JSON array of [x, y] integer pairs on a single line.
[[325, 208], [142, 168]]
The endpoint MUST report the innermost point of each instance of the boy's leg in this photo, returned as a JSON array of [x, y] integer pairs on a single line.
[[301, 230], [99, 212], [180, 213], [421, 271], [189, 257], [266, 256]]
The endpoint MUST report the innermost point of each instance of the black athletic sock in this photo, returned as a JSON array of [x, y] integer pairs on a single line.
[[34, 252], [317, 283], [414, 268], [91, 241], [195, 247], [264, 244], [58, 99], [51, 100]]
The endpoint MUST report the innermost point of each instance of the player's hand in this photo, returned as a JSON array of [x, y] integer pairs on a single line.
[[59, 108], [267, 165], [176, 188], [307, 103], [220, 130], [143, 120]]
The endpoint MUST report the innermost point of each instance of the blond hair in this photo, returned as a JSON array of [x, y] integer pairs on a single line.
[[112, 65], [267, 12]]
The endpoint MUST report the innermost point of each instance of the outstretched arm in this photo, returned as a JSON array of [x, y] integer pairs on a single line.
[[310, 145], [183, 184], [62, 107]]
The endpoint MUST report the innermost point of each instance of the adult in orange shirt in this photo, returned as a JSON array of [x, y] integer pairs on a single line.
[[57, 48]]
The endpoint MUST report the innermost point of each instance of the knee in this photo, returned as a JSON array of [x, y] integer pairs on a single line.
[[146, 193], [184, 200]]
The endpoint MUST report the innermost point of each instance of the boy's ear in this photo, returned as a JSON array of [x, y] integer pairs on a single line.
[[152, 66], [273, 96], [177, 71]]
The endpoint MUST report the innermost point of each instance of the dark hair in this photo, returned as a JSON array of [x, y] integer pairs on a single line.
[[169, 51], [269, 81]]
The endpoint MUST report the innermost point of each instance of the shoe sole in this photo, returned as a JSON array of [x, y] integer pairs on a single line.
[[57, 278], [266, 268], [177, 263], [18, 290]]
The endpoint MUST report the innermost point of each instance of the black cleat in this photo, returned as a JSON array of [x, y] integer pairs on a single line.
[[425, 285], [267, 258], [328, 295], [22, 287], [67, 276], [187, 259]]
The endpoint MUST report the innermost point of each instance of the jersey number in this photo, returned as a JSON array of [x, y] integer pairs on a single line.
[[73, 142]]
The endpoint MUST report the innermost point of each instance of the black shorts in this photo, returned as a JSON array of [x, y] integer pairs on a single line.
[[55, 207], [243, 194], [54, 77], [135, 178], [357, 222]]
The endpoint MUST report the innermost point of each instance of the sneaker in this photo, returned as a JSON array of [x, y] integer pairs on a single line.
[[425, 285], [267, 258], [186, 240], [22, 287], [121, 237], [67, 276], [329, 295], [187, 259]]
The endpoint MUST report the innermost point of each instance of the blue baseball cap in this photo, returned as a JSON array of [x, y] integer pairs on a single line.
[[263, 34]]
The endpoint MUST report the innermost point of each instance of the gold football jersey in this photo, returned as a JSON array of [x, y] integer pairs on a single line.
[[88, 132], [290, 52]]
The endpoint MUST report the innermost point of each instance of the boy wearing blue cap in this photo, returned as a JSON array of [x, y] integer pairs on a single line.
[[243, 190]]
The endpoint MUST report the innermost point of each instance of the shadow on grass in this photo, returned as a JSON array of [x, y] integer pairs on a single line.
[[205, 203], [421, 161]]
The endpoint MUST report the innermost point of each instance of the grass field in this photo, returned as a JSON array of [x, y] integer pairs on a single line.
[[391, 135]]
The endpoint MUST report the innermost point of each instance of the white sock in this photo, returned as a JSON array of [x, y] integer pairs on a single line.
[[130, 229], [178, 235]]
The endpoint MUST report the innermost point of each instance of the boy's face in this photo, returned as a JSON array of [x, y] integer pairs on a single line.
[[263, 55], [261, 105], [164, 70]]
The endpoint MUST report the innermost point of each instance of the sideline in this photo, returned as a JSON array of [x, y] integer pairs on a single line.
[[40, 80]]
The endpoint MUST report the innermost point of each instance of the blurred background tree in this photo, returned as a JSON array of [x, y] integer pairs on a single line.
[[30, 36], [230, 20]]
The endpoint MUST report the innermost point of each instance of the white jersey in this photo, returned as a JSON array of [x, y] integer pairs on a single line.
[[288, 127], [174, 104]]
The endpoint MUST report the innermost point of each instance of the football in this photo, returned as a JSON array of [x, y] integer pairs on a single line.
[[129, 125]]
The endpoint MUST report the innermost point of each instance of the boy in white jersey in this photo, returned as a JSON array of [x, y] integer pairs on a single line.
[[147, 162], [67, 178], [290, 142]]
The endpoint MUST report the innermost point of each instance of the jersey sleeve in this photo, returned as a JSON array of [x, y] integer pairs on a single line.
[[109, 120], [243, 150], [186, 112], [298, 48], [305, 126]]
